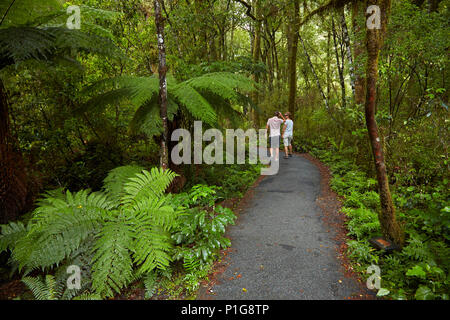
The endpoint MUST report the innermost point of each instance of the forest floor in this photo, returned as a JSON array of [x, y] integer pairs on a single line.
[[288, 241]]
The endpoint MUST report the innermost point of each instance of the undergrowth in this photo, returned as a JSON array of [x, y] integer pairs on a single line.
[[420, 270]]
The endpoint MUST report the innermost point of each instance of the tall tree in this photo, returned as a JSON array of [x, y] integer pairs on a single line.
[[374, 41], [339, 63], [358, 22], [346, 40], [293, 26], [162, 98], [256, 52]]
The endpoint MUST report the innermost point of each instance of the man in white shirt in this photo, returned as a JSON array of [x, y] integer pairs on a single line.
[[287, 134], [274, 124]]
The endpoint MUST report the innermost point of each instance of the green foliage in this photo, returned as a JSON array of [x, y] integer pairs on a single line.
[[150, 284], [203, 195], [200, 97], [44, 289], [420, 270], [23, 43], [363, 222], [129, 225], [113, 184], [199, 235], [131, 229]]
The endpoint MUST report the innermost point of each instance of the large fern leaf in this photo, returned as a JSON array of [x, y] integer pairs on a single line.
[[11, 233], [112, 267], [23, 43], [44, 289], [147, 185], [58, 228], [113, 184]]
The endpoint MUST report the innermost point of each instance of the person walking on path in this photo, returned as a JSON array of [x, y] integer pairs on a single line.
[[287, 134], [274, 124]]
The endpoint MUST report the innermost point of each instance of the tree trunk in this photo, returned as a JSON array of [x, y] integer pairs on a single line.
[[256, 57], [292, 59], [340, 66], [13, 179], [374, 40], [162, 69], [358, 22], [328, 65], [346, 40]]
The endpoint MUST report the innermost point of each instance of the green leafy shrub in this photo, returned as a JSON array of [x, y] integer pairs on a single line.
[[127, 226], [363, 222], [199, 236]]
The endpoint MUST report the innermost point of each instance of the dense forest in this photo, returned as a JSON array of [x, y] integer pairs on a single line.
[[91, 92]]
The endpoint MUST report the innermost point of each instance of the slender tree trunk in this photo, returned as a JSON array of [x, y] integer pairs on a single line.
[[358, 22], [256, 57], [292, 59], [162, 69], [328, 65], [348, 50], [340, 66], [374, 40]]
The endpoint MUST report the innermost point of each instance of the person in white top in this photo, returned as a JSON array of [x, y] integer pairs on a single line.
[[274, 124], [286, 135]]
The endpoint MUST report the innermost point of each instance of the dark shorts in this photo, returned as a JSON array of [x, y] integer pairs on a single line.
[[275, 142]]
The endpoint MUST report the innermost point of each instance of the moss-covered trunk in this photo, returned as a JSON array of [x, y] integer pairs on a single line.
[[374, 40]]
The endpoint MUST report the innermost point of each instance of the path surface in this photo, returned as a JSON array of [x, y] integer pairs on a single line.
[[280, 246]]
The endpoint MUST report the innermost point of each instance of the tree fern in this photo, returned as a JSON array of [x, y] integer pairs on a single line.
[[203, 98], [23, 43]]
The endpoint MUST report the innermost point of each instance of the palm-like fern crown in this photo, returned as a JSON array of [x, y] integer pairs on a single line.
[[129, 223], [41, 34], [205, 98]]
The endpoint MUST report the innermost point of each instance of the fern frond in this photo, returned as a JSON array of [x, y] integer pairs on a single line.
[[153, 212], [11, 233], [225, 84], [148, 184], [113, 184], [112, 267], [152, 248], [150, 284], [137, 90], [44, 289], [57, 229], [88, 296], [147, 119], [191, 263], [23, 43], [194, 102]]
